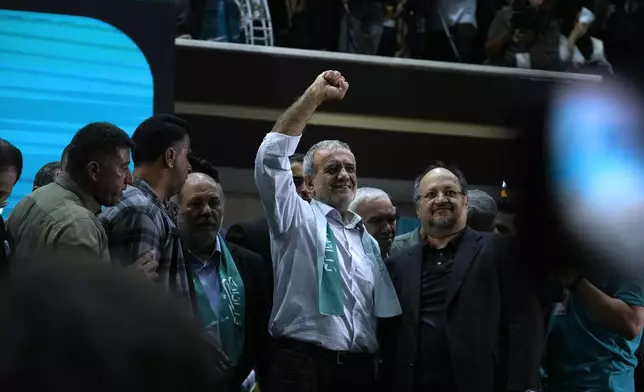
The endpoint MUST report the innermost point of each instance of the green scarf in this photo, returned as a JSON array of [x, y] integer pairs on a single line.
[[230, 319], [331, 297]]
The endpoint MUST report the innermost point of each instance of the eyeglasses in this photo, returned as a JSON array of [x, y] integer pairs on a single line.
[[433, 195]]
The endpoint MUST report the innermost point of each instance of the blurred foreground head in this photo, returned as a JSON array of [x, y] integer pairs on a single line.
[[78, 325]]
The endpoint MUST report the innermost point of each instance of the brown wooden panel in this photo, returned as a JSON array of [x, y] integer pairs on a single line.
[[380, 154]]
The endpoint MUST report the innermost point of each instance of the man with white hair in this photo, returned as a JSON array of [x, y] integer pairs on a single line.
[[378, 214], [330, 282]]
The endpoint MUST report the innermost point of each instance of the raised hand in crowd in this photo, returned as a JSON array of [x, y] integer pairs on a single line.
[[329, 86]]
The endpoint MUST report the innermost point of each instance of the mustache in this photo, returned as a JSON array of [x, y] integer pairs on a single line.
[[443, 206], [206, 222]]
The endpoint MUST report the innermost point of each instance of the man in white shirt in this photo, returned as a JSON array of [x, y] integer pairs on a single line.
[[330, 283]]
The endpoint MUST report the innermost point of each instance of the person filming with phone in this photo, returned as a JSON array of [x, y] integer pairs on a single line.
[[524, 35]]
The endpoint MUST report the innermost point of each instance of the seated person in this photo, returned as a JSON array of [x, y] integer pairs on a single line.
[[525, 38]]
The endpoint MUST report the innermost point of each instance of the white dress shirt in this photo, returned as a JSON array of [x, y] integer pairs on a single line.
[[294, 244]]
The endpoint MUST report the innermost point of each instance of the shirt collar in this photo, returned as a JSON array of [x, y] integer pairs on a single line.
[[146, 188], [354, 219], [88, 201], [195, 260], [453, 243]]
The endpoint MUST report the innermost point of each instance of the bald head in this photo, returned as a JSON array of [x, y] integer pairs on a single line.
[[201, 212], [198, 181]]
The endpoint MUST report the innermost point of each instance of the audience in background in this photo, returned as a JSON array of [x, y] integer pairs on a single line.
[[47, 174], [481, 210], [378, 214], [545, 34], [10, 171], [505, 221]]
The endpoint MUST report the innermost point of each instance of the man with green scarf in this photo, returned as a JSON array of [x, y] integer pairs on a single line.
[[227, 283], [330, 282]]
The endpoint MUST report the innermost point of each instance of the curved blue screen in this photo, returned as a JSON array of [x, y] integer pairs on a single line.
[[59, 73]]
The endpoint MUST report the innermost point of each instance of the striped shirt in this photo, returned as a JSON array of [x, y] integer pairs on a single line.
[[138, 224]]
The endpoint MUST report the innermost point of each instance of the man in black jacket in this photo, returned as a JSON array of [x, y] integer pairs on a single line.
[[254, 235], [469, 321], [10, 171], [227, 283]]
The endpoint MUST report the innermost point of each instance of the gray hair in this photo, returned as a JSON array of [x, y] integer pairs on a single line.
[[481, 210], [328, 145], [366, 195]]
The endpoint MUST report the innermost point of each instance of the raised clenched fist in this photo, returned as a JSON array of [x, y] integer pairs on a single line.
[[330, 86]]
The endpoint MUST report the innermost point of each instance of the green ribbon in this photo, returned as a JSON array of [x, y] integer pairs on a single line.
[[331, 298], [229, 321]]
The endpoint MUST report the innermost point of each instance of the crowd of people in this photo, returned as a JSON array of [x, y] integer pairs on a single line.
[[115, 280], [538, 34]]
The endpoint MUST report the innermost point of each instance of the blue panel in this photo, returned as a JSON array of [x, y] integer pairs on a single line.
[[60, 72]]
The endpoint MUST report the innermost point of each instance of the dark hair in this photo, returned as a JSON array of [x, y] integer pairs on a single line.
[[94, 141], [71, 323], [200, 165], [10, 158], [46, 174], [155, 135], [439, 165], [299, 158]]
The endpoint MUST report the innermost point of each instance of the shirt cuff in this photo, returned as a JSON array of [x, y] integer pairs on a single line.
[[586, 16], [281, 145]]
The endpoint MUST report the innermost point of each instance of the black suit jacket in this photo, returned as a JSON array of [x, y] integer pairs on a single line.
[[494, 321], [252, 269], [254, 236]]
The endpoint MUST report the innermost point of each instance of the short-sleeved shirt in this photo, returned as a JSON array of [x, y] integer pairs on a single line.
[[138, 224], [57, 217], [581, 355]]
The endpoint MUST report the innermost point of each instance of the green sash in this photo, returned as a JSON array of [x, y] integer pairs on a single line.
[[331, 298], [230, 318]]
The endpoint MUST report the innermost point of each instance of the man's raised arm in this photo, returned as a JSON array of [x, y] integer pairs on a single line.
[[273, 176]]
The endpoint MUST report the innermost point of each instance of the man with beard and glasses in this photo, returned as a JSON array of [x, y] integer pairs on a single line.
[[228, 283], [470, 322], [330, 282], [139, 223], [379, 215]]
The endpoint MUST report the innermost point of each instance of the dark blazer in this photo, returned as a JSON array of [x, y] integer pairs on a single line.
[[252, 269], [494, 321], [254, 236]]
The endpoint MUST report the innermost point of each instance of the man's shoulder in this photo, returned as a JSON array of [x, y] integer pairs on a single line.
[[133, 202]]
